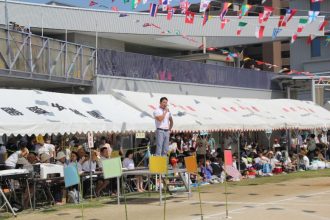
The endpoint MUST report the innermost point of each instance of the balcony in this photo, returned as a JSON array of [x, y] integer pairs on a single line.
[[24, 56], [131, 65]]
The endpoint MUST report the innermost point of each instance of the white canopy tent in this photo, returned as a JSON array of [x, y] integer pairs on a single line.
[[233, 113], [38, 112]]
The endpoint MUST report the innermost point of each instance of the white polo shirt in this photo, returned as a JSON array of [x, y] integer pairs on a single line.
[[165, 123]]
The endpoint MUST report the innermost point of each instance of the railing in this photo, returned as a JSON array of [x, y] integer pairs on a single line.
[[54, 60], [123, 64]]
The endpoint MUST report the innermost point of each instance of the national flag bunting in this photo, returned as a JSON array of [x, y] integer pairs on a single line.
[[205, 17], [276, 31], [284, 19], [241, 24], [204, 5], [302, 23], [223, 23], [165, 5], [170, 13], [310, 38], [281, 22], [312, 16], [263, 17], [92, 3], [224, 10], [322, 26], [189, 17], [260, 32], [114, 8], [327, 40], [153, 9], [244, 9], [294, 38], [184, 6]]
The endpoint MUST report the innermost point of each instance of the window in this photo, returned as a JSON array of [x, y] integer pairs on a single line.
[[316, 47]]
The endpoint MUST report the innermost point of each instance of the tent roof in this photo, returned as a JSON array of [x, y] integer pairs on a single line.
[[38, 112]]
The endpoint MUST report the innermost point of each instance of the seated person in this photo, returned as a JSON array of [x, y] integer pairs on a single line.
[[88, 165], [303, 162], [128, 163], [102, 183], [207, 172], [61, 158], [12, 160], [82, 155]]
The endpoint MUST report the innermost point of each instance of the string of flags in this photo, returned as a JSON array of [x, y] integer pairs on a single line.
[[244, 9]]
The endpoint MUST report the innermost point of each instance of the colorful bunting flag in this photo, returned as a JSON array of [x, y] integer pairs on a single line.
[[189, 17], [260, 32], [263, 17], [204, 5], [294, 38], [322, 26], [310, 38], [276, 31], [223, 23], [153, 9], [114, 8], [281, 22], [134, 4], [302, 23], [92, 3], [165, 5], [170, 13], [313, 1], [327, 40], [205, 17], [224, 10], [312, 16], [241, 24], [284, 19], [184, 6], [244, 9]]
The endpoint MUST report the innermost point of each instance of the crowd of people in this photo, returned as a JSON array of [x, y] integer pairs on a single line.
[[308, 152]]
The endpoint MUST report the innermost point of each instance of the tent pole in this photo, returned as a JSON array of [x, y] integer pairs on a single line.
[[239, 151]]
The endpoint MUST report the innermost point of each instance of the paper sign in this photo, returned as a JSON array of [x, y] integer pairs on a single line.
[[71, 176], [90, 139], [228, 158], [140, 135], [112, 168], [158, 165], [191, 164], [232, 171]]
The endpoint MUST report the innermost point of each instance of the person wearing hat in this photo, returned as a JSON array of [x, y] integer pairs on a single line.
[[44, 158], [60, 157], [276, 144]]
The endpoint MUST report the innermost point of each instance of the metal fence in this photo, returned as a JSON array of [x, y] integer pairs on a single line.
[[27, 53], [133, 65]]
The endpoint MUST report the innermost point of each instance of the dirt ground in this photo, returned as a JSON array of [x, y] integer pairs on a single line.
[[295, 199]]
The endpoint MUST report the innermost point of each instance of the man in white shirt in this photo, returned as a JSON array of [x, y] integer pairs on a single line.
[[164, 124]]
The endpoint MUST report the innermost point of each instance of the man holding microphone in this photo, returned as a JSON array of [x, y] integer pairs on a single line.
[[164, 124]]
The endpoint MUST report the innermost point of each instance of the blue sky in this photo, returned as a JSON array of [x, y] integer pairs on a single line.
[[106, 4]]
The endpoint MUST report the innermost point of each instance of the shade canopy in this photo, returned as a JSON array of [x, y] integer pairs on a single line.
[[38, 112]]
